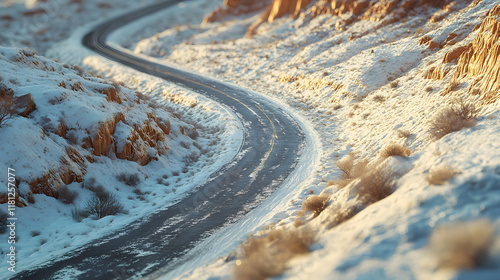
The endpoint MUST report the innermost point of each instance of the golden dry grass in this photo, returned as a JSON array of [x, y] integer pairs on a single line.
[[376, 185], [351, 169], [267, 256], [395, 150], [462, 245], [460, 115], [337, 215], [440, 175]]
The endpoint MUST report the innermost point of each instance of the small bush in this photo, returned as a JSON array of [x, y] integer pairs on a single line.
[[129, 179], [337, 215], [3, 221], [66, 196], [78, 214], [35, 233], [462, 245], [403, 133], [440, 175], [103, 205], [376, 185], [351, 169], [267, 256], [378, 98], [460, 115], [395, 150], [315, 204], [6, 111]]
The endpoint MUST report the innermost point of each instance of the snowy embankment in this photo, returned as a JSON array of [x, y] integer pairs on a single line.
[[75, 136], [408, 114]]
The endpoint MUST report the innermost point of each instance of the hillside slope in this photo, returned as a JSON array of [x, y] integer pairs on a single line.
[[72, 137]]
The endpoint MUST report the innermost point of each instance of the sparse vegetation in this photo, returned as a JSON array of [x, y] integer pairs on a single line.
[[337, 215], [129, 179], [6, 112], [351, 169], [395, 150], [440, 175], [460, 115], [192, 133], [462, 245], [267, 256], [376, 185], [315, 204], [66, 196], [103, 205]]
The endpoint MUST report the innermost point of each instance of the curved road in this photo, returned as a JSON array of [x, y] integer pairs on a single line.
[[270, 151]]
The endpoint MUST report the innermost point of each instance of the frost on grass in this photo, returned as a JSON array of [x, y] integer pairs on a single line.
[[352, 168], [462, 245], [337, 215], [395, 150], [376, 185], [461, 114], [267, 256], [315, 204], [440, 175]]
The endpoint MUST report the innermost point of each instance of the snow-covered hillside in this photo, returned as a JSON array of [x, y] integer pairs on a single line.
[[41, 24], [404, 95], [72, 136]]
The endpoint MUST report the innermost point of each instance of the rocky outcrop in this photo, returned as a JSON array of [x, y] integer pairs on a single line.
[[72, 168], [482, 57], [454, 54], [111, 94], [135, 147], [386, 11], [23, 105], [235, 8]]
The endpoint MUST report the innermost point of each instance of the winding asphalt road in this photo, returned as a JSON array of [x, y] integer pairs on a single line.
[[270, 151]]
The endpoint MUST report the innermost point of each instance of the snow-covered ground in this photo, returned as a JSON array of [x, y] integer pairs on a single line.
[[364, 88], [34, 147]]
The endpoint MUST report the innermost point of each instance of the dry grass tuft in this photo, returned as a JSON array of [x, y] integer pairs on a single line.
[[460, 115], [315, 204], [462, 245], [403, 133], [267, 256], [439, 175], [351, 168], [376, 185], [338, 215], [395, 150]]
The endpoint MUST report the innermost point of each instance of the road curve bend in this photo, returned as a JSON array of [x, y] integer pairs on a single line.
[[270, 151]]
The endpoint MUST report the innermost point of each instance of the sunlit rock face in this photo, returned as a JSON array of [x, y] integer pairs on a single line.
[[482, 57], [386, 11]]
